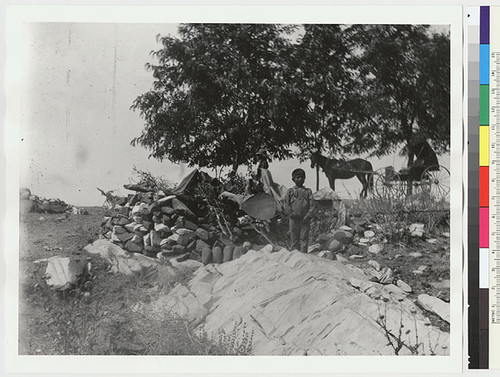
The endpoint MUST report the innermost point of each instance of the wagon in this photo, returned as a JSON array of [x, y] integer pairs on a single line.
[[433, 180]]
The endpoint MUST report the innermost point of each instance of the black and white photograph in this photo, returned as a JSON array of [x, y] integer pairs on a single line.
[[237, 189]]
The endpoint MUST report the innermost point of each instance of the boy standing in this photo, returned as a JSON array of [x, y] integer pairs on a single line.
[[299, 205]]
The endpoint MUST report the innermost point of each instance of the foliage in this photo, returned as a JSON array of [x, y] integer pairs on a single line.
[[224, 91], [322, 69], [405, 73], [216, 96], [147, 179]]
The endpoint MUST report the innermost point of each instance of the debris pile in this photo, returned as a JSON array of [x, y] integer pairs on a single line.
[[33, 203], [175, 224]]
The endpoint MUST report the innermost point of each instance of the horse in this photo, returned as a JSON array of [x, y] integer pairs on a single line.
[[337, 169]]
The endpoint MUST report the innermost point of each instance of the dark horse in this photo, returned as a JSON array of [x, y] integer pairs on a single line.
[[337, 169]]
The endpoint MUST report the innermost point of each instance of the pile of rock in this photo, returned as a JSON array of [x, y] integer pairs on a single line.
[[166, 226], [34, 203]]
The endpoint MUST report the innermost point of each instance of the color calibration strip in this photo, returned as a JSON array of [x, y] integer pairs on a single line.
[[494, 149], [473, 185], [484, 163]]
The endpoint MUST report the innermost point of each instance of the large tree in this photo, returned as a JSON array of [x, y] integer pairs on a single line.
[[325, 71], [219, 95], [405, 72]]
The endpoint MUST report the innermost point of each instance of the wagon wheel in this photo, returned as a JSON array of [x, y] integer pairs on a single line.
[[436, 181], [388, 185]]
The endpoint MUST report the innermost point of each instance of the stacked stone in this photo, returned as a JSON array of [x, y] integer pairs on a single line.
[[163, 226]]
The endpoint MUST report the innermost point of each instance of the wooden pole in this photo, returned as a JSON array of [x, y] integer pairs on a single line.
[[317, 178]]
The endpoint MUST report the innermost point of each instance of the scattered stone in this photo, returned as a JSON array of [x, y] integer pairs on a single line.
[[326, 254], [423, 268], [314, 248], [404, 287], [415, 255], [417, 272], [359, 229], [335, 246], [383, 276], [416, 230], [341, 259], [432, 240], [355, 250], [356, 256], [396, 292], [397, 256], [435, 305], [376, 249], [446, 234], [374, 264], [369, 234], [267, 249], [62, 273], [445, 284], [41, 218], [246, 246], [346, 228]]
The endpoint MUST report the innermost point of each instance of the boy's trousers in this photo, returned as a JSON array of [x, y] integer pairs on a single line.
[[299, 234]]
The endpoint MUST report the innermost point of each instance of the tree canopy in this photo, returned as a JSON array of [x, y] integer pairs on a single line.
[[219, 95], [405, 71], [223, 91]]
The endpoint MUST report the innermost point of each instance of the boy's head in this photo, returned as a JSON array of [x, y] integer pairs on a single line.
[[298, 177]]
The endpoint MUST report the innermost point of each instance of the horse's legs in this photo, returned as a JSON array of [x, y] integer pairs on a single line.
[[364, 183], [332, 183]]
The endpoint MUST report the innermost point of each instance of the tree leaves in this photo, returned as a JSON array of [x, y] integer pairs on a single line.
[[223, 91]]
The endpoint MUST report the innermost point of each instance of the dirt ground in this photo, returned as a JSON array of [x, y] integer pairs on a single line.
[[95, 319]]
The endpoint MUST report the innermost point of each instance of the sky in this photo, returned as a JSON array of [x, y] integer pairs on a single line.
[[76, 123]]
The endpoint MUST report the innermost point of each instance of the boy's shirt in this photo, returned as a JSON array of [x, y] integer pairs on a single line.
[[299, 202]]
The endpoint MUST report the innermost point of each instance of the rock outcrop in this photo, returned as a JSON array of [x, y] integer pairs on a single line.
[[297, 304]]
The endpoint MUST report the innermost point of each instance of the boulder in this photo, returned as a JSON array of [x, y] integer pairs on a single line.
[[246, 246], [190, 225], [206, 256], [405, 287], [185, 232], [121, 261], [237, 252], [335, 246], [62, 273], [24, 193], [227, 253], [201, 245], [217, 254], [133, 247], [435, 305], [179, 249], [202, 234], [343, 236], [26, 205]]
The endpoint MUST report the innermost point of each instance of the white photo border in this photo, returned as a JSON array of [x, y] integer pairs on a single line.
[[434, 15]]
